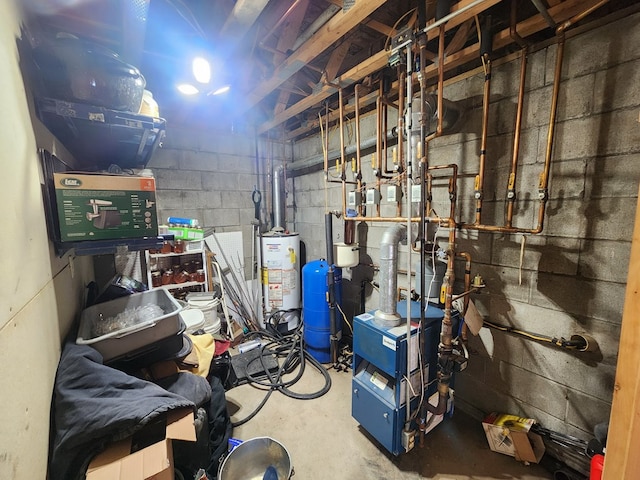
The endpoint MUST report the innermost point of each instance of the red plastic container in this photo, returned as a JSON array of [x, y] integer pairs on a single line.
[[597, 464]]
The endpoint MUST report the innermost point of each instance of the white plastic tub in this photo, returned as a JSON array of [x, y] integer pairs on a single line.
[[193, 319], [100, 324]]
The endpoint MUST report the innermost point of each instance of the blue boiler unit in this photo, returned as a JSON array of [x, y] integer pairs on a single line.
[[378, 398]]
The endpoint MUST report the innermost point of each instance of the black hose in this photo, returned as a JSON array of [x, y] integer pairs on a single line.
[[290, 348]]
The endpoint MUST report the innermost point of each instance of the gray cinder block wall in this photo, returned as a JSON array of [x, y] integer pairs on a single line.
[[210, 176], [572, 277]]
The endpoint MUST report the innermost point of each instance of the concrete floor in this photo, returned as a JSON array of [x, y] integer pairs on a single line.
[[325, 442]]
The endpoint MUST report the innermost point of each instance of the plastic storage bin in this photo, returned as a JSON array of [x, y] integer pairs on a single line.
[[175, 347], [120, 326]]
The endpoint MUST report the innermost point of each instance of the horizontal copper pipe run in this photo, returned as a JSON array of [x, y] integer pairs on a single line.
[[445, 222]]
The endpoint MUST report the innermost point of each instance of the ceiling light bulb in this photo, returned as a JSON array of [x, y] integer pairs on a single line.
[[187, 89], [201, 70], [221, 90]]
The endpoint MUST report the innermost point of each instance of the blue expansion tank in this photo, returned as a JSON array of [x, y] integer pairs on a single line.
[[315, 308]]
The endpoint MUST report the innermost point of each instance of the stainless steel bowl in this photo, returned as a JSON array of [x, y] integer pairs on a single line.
[[251, 459]]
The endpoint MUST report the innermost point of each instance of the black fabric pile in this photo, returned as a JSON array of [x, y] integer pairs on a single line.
[[94, 405]]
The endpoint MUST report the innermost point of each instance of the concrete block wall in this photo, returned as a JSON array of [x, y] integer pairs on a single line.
[[571, 278], [209, 176]]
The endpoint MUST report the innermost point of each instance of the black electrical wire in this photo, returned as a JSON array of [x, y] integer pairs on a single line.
[[290, 349]]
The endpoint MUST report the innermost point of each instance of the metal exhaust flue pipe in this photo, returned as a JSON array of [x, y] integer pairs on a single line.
[[279, 203], [387, 315]]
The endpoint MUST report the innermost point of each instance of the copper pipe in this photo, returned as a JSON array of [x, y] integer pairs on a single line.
[[441, 220], [344, 184], [511, 185], [576, 18], [358, 152], [385, 124], [440, 78], [326, 141], [378, 160], [429, 194], [440, 86], [467, 288], [479, 187], [401, 79]]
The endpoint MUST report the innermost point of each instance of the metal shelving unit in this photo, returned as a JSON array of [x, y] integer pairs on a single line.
[[164, 261]]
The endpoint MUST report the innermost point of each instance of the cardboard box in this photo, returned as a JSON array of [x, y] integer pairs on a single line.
[[141, 457], [511, 435], [183, 233], [105, 207]]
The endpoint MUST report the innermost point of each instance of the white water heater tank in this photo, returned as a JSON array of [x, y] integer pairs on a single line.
[[280, 273]]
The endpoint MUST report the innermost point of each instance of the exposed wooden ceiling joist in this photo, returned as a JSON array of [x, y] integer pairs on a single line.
[[242, 17], [290, 31], [335, 60], [369, 66], [335, 28], [530, 26]]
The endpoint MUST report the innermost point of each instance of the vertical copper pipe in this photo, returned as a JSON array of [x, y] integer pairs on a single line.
[[358, 152], [344, 184], [401, 79], [511, 185], [440, 78], [385, 111], [543, 193], [467, 287], [378, 163], [483, 140]]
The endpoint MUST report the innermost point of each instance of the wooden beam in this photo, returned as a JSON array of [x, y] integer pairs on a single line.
[[623, 441], [369, 66], [335, 60], [290, 31], [460, 38], [242, 17], [534, 24], [528, 27], [379, 27], [283, 100], [335, 28]]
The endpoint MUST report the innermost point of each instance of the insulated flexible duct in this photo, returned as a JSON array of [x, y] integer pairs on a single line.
[[387, 315]]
